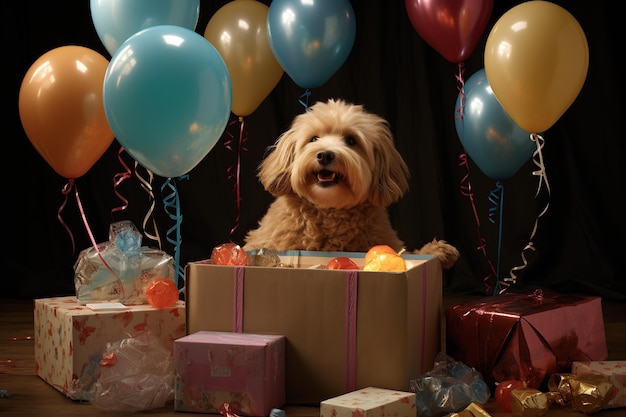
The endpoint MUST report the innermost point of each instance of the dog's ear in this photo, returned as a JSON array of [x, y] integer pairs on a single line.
[[275, 169], [391, 173]]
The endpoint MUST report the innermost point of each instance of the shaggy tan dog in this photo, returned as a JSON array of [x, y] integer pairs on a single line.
[[334, 173]]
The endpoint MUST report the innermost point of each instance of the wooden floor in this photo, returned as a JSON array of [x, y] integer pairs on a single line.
[[28, 395]]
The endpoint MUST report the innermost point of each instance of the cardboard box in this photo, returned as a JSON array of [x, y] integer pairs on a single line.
[[615, 370], [246, 371], [345, 330], [525, 337], [70, 338], [370, 402]]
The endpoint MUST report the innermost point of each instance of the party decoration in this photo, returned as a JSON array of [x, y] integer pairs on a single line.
[[117, 20], [497, 145], [311, 40], [167, 97], [536, 60], [341, 262], [61, 110], [161, 293], [238, 30], [451, 27], [229, 254]]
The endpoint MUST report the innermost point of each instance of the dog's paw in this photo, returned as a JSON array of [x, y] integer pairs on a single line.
[[445, 252]]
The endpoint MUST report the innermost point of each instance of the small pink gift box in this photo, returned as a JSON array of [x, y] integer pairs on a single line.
[[616, 370], [246, 371], [370, 402]]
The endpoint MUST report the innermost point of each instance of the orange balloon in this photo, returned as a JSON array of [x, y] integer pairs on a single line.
[[536, 61], [61, 109], [238, 30]]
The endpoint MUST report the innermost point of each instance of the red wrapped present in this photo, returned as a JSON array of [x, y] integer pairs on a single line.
[[526, 337]]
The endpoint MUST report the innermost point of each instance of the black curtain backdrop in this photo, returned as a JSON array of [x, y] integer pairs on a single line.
[[579, 241]]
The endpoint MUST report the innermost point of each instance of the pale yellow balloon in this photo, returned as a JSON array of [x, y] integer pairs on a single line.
[[536, 61], [238, 30]]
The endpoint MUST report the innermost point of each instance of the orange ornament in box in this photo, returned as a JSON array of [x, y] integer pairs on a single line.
[[229, 254], [162, 293], [341, 262]]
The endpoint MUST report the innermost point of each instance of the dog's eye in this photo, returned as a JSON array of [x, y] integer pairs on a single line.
[[350, 141], [314, 139]]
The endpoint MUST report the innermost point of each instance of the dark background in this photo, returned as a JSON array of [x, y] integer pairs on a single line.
[[579, 241]]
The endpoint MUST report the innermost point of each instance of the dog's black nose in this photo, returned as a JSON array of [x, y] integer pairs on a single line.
[[325, 157]]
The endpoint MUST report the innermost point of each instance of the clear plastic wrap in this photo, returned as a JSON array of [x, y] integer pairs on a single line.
[[119, 269]]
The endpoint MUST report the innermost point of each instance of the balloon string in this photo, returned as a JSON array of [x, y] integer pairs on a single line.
[[543, 179], [67, 188], [304, 99], [234, 172], [146, 184], [466, 190], [496, 198], [122, 291], [171, 203], [460, 86], [118, 179]]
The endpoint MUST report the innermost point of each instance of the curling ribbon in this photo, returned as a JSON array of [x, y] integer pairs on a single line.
[[425, 335], [350, 331], [67, 188], [234, 172], [496, 198], [146, 184], [543, 179], [118, 179], [460, 86], [466, 190], [95, 245], [171, 203], [304, 99]]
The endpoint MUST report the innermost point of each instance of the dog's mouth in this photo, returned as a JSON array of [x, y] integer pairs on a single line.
[[326, 178]]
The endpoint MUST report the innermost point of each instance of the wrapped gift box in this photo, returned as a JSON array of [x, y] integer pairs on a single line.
[[70, 338], [525, 337], [247, 371], [615, 370], [370, 402], [344, 330]]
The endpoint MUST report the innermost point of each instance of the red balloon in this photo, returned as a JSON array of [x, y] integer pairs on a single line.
[[451, 27]]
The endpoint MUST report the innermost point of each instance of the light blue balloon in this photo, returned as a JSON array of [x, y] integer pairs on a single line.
[[311, 39], [116, 20], [167, 97], [496, 144]]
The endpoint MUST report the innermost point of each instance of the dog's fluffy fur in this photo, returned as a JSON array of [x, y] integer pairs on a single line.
[[334, 173]]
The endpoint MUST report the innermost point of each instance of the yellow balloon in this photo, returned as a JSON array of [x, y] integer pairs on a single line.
[[536, 61], [238, 30]]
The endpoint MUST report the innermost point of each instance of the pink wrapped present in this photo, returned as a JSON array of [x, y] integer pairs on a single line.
[[70, 338], [615, 370], [245, 371], [370, 402]]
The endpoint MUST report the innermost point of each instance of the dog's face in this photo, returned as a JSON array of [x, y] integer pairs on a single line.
[[336, 155]]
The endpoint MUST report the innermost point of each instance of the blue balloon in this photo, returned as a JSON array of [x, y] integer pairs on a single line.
[[167, 97], [117, 20], [311, 39], [496, 144]]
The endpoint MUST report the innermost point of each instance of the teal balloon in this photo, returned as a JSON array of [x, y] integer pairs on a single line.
[[311, 39], [117, 20], [496, 144], [167, 96]]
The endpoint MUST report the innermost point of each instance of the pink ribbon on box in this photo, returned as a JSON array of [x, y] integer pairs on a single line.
[[350, 331], [350, 320], [238, 284]]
